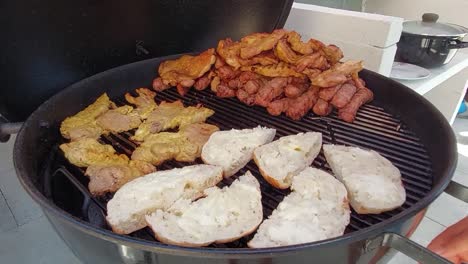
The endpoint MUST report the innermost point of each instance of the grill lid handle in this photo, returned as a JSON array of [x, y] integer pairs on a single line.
[[407, 247], [7, 129]]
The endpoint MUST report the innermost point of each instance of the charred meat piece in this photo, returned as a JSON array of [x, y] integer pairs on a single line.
[[256, 43], [224, 91], [327, 93], [185, 145], [119, 120], [315, 60], [285, 53], [294, 39], [329, 79], [279, 106], [272, 89], [333, 54], [229, 51], [337, 74], [344, 95], [203, 82], [252, 49], [322, 108], [264, 58], [109, 178], [186, 68], [88, 151], [281, 69], [316, 44], [83, 124], [300, 106], [362, 96], [311, 73]]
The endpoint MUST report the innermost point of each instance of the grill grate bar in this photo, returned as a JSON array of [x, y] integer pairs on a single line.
[[368, 119], [392, 134], [373, 129], [411, 149]]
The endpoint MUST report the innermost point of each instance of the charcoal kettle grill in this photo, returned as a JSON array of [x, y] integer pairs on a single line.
[[418, 140]]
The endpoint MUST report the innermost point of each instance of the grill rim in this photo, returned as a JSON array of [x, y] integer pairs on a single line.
[[359, 235]]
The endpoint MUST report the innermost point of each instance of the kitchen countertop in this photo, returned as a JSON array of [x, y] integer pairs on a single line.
[[439, 75]]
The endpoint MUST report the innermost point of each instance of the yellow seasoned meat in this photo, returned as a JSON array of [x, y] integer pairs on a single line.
[[109, 178], [171, 115], [185, 145], [88, 151], [83, 124], [119, 120], [144, 102]]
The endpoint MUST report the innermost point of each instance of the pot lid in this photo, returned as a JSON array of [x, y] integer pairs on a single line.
[[430, 27]]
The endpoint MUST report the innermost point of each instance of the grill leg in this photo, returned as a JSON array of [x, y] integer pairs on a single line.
[[407, 247], [458, 191]]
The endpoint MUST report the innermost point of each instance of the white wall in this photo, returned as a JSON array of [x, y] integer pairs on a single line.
[[450, 11]]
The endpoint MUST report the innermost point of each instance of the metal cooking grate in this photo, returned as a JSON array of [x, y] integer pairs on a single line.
[[373, 128]]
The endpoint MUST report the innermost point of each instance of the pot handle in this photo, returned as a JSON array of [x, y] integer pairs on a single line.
[[458, 44], [405, 246], [430, 17]]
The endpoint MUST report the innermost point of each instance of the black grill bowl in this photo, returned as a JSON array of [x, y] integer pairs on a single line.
[[399, 124]]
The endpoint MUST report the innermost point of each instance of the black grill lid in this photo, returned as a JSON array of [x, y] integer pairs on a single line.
[[48, 46]]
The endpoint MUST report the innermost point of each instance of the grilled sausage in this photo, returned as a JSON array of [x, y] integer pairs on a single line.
[[182, 90], [252, 86], [158, 85], [245, 97], [202, 82], [273, 89], [322, 107], [301, 105], [344, 95], [226, 72], [277, 107], [224, 91], [362, 96], [294, 91], [327, 94]]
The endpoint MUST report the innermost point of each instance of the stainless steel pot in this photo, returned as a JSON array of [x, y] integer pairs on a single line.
[[429, 43]]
